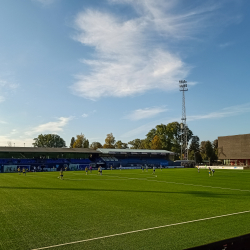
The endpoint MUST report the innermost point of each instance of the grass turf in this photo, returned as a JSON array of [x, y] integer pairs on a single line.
[[39, 210]]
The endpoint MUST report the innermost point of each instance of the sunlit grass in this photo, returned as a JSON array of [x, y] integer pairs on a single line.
[[40, 210]]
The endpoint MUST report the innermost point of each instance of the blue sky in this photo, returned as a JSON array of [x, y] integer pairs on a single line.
[[96, 67]]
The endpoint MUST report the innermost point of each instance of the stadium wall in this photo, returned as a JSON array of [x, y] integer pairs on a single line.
[[222, 167], [234, 150]]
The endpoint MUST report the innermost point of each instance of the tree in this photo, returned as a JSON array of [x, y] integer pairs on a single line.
[[121, 145], [206, 150], [109, 141], [215, 149], [195, 144], [145, 144], [194, 149], [176, 148], [203, 150], [140, 144], [81, 142], [49, 141], [170, 136], [156, 143], [136, 144], [72, 142], [86, 144], [173, 131], [209, 151], [195, 156], [95, 145], [162, 133]]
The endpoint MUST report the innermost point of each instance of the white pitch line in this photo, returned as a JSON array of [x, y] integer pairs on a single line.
[[169, 182], [141, 230], [90, 179], [186, 184], [229, 171], [196, 185]]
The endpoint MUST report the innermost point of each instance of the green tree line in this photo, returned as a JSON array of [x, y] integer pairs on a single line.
[[166, 137]]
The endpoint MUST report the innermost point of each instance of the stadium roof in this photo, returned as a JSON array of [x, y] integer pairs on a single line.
[[46, 150], [185, 161], [81, 150], [132, 151]]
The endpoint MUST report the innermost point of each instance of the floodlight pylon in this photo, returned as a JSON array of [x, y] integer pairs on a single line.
[[184, 148]]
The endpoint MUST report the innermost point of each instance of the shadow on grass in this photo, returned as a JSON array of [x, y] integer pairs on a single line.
[[202, 194]]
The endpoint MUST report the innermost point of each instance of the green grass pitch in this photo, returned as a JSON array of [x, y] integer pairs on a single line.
[[40, 210]]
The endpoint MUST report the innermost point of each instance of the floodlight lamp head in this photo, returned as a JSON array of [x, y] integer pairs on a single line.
[[182, 81]]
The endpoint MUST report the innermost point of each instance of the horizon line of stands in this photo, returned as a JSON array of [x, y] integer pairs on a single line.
[[11, 164]]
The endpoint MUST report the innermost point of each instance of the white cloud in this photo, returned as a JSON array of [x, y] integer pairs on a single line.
[[171, 18], [132, 56], [142, 130], [18, 138], [5, 88], [137, 54], [145, 113], [14, 131], [224, 45], [45, 2], [135, 133], [226, 112], [17, 142], [7, 84], [85, 115], [2, 99], [50, 127], [15, 138]]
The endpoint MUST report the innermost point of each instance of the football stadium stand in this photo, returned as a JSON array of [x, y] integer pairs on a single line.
[[135, 158], [53, 159]]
